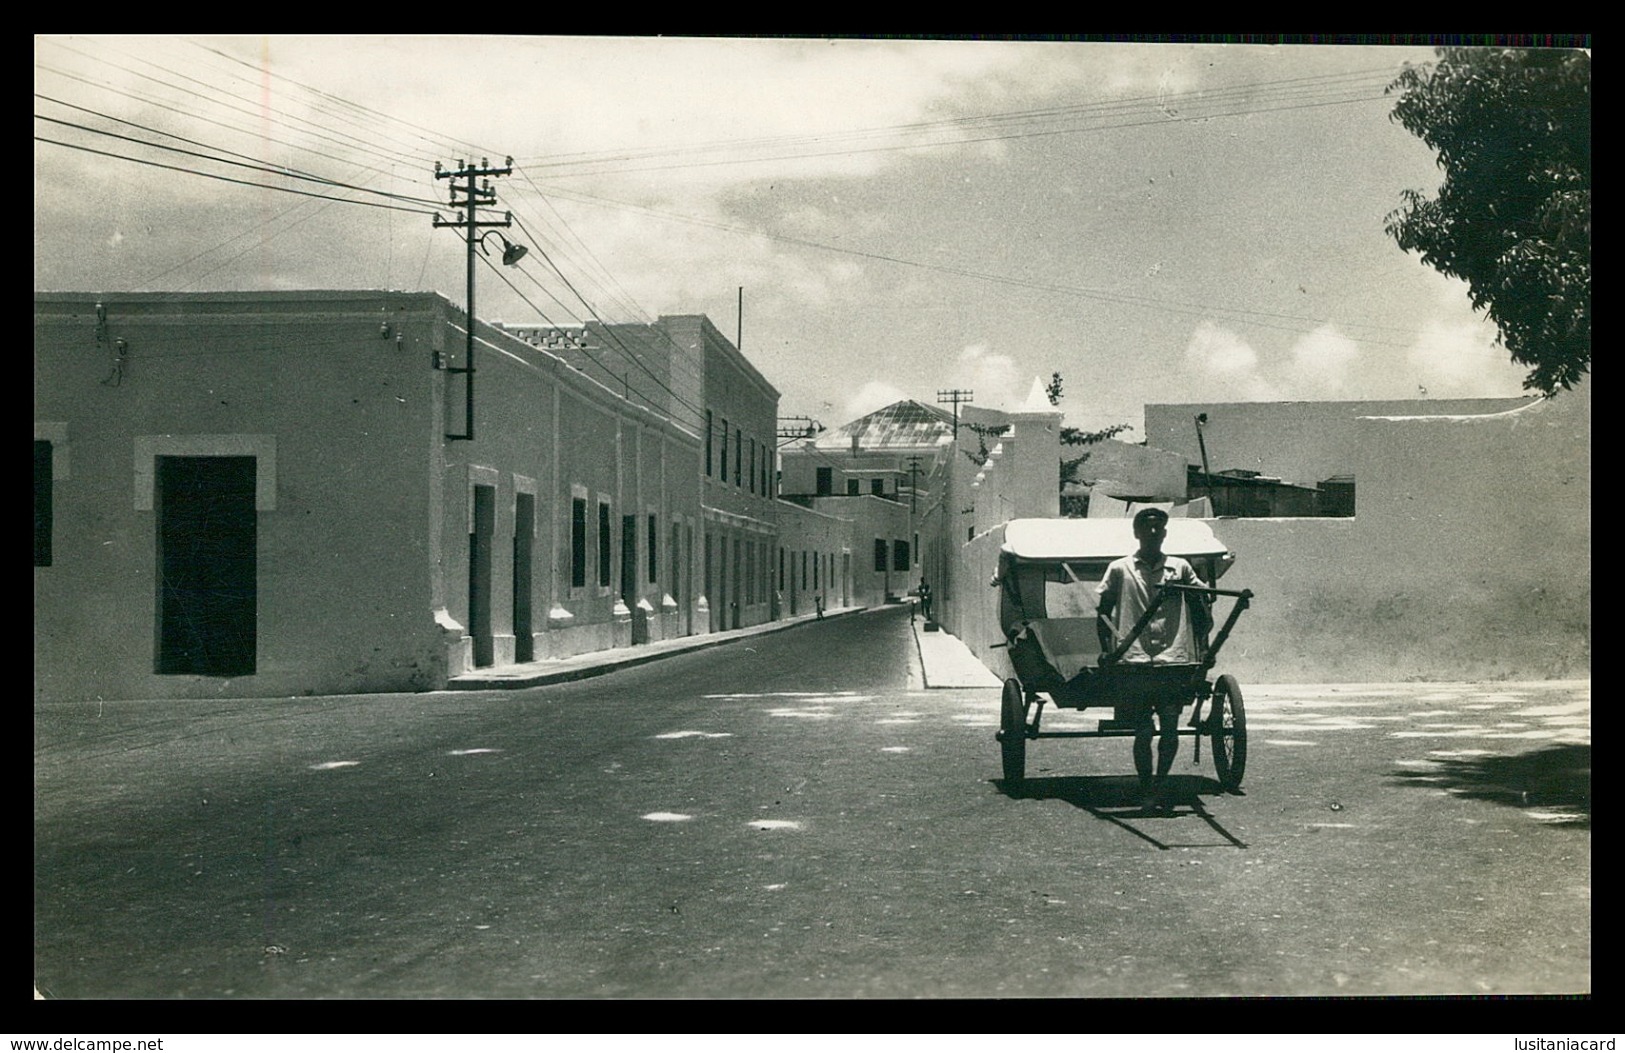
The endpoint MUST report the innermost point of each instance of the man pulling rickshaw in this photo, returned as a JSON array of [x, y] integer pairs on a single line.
[[1117, 614], [1175, 633]]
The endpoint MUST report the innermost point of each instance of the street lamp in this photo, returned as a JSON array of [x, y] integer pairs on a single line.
[[511, 253]]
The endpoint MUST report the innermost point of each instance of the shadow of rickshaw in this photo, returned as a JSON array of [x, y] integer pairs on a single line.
[[1117, 800]]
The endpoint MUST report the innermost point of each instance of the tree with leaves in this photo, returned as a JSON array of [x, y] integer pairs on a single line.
[[1076, 506], [1512, 128]]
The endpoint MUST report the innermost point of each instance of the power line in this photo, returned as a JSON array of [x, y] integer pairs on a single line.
[[609, 334], [227, 179], [1127, 299], [435, 144], [290, 173], [1101, 110], [613, 290], [259, 114], [150, 101], [1109, 297], [1293, 85]]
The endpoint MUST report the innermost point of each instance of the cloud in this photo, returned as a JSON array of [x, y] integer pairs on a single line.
[[1322, 363], [1461, 359], [872, 396], [1229, 363], [993, 376]]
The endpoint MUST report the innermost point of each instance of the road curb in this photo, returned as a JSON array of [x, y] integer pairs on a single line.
[[599, 667]]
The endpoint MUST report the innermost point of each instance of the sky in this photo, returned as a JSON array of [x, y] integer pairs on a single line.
[[870, 220]]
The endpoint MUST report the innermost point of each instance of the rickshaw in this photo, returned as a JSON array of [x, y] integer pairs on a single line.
[[1048, 574]]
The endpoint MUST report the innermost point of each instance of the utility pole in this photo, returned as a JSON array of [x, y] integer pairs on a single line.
[[956, 396], [790, 430], [472, 197], [913, 473]]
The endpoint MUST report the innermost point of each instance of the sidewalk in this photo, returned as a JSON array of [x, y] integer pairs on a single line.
[[597, 663], [947, 662], [944, 660]]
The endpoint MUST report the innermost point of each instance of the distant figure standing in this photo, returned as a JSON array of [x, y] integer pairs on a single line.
[[818, 600], [925, 599]]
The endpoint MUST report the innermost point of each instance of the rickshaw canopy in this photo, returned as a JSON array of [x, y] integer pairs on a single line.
[[1080, 539]]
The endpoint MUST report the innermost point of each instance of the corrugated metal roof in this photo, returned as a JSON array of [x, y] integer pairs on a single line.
[[902, 425]]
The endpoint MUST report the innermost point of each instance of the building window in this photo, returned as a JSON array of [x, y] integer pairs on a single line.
[[803, 570], [753, 466], [880, 555], [723, 475], [877, 487], [42, 503], [603, 544], [629, 560], [899, 555], [826, 482], [674, 563], [708, 426], [654, 564], [578, 542], [739, 457]]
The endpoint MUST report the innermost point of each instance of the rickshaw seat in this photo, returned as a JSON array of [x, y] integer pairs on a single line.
[[1069, 644]]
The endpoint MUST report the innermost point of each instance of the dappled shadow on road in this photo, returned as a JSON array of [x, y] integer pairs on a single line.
[[1552, 784], [1115, 799]]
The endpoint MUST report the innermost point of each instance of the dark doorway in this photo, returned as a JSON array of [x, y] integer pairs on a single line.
[[207, 565], [42, 503], [524, 532], [733, 588], [479, 573], [686, 600], [629, 579]]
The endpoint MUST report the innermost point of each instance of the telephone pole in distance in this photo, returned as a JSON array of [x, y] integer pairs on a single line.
[[956, 396]]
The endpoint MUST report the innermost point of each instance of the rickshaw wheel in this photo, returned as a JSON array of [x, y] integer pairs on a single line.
[[1013, 731], [1229, 728]]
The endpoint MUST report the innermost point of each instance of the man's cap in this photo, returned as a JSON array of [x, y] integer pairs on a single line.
[[1148, 514]]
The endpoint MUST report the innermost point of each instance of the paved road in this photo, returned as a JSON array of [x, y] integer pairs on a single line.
[[786, 816]]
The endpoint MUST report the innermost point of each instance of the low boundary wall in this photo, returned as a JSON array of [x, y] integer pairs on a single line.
[[1469, 558]]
